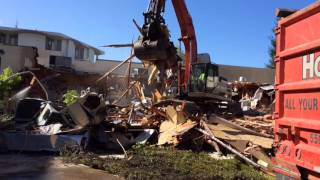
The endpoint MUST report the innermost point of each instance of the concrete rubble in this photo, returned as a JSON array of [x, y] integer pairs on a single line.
[[94, 122]]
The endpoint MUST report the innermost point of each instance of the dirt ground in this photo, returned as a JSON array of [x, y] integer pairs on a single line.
[[26, 166]]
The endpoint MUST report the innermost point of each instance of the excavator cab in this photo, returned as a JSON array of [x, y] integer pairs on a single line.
[[205, 82]]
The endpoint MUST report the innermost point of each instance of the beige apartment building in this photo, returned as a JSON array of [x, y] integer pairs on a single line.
[[53, 49]]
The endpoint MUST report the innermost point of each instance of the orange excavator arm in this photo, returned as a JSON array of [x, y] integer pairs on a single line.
[[188, 37]]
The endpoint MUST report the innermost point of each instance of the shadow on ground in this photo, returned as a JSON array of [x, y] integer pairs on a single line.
[[16, 166]]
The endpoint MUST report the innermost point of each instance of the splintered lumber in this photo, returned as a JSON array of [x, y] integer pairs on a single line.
[[219, 120], [130, 87], [262, 124], [213, 143], [156, 95], [254, 123], [227, 133], [229, 148], [118, 45], [175, 116], [113, 69], [137, 26], [170, 131], [244, 142], [175, 125]]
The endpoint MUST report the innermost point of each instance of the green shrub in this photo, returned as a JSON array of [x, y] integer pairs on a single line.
[[70, 97], [5, 84]]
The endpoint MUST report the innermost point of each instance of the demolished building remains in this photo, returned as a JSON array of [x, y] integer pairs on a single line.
[[161, 102]]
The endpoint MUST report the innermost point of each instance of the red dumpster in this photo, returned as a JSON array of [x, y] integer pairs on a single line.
[[297, 108]]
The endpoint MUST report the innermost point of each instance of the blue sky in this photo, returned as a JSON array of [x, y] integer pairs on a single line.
[[235, 32]]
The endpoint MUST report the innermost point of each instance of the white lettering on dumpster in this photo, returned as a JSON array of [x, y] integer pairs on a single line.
[[310, 66]]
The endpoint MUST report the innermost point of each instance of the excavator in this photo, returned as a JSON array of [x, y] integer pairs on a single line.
[[197, 81]]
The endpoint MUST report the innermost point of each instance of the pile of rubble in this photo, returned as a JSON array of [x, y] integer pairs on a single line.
[[93, 122], [255, 98], [257, 104]]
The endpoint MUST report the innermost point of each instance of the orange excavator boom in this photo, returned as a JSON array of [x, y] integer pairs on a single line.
[[188, 37]]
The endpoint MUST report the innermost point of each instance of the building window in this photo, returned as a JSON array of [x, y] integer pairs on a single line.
[[13, 39], [87, 53], [60, 62], [2, 38], [49, 43], [79, 52], [58, 45], [53, 44]]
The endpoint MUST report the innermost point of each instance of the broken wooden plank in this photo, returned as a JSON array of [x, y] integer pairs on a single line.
[[214, 144], [113, 69], [223, 132], [217, 119], [230, 148]]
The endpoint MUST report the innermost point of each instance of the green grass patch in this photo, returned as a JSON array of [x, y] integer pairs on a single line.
[[167, 163]]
